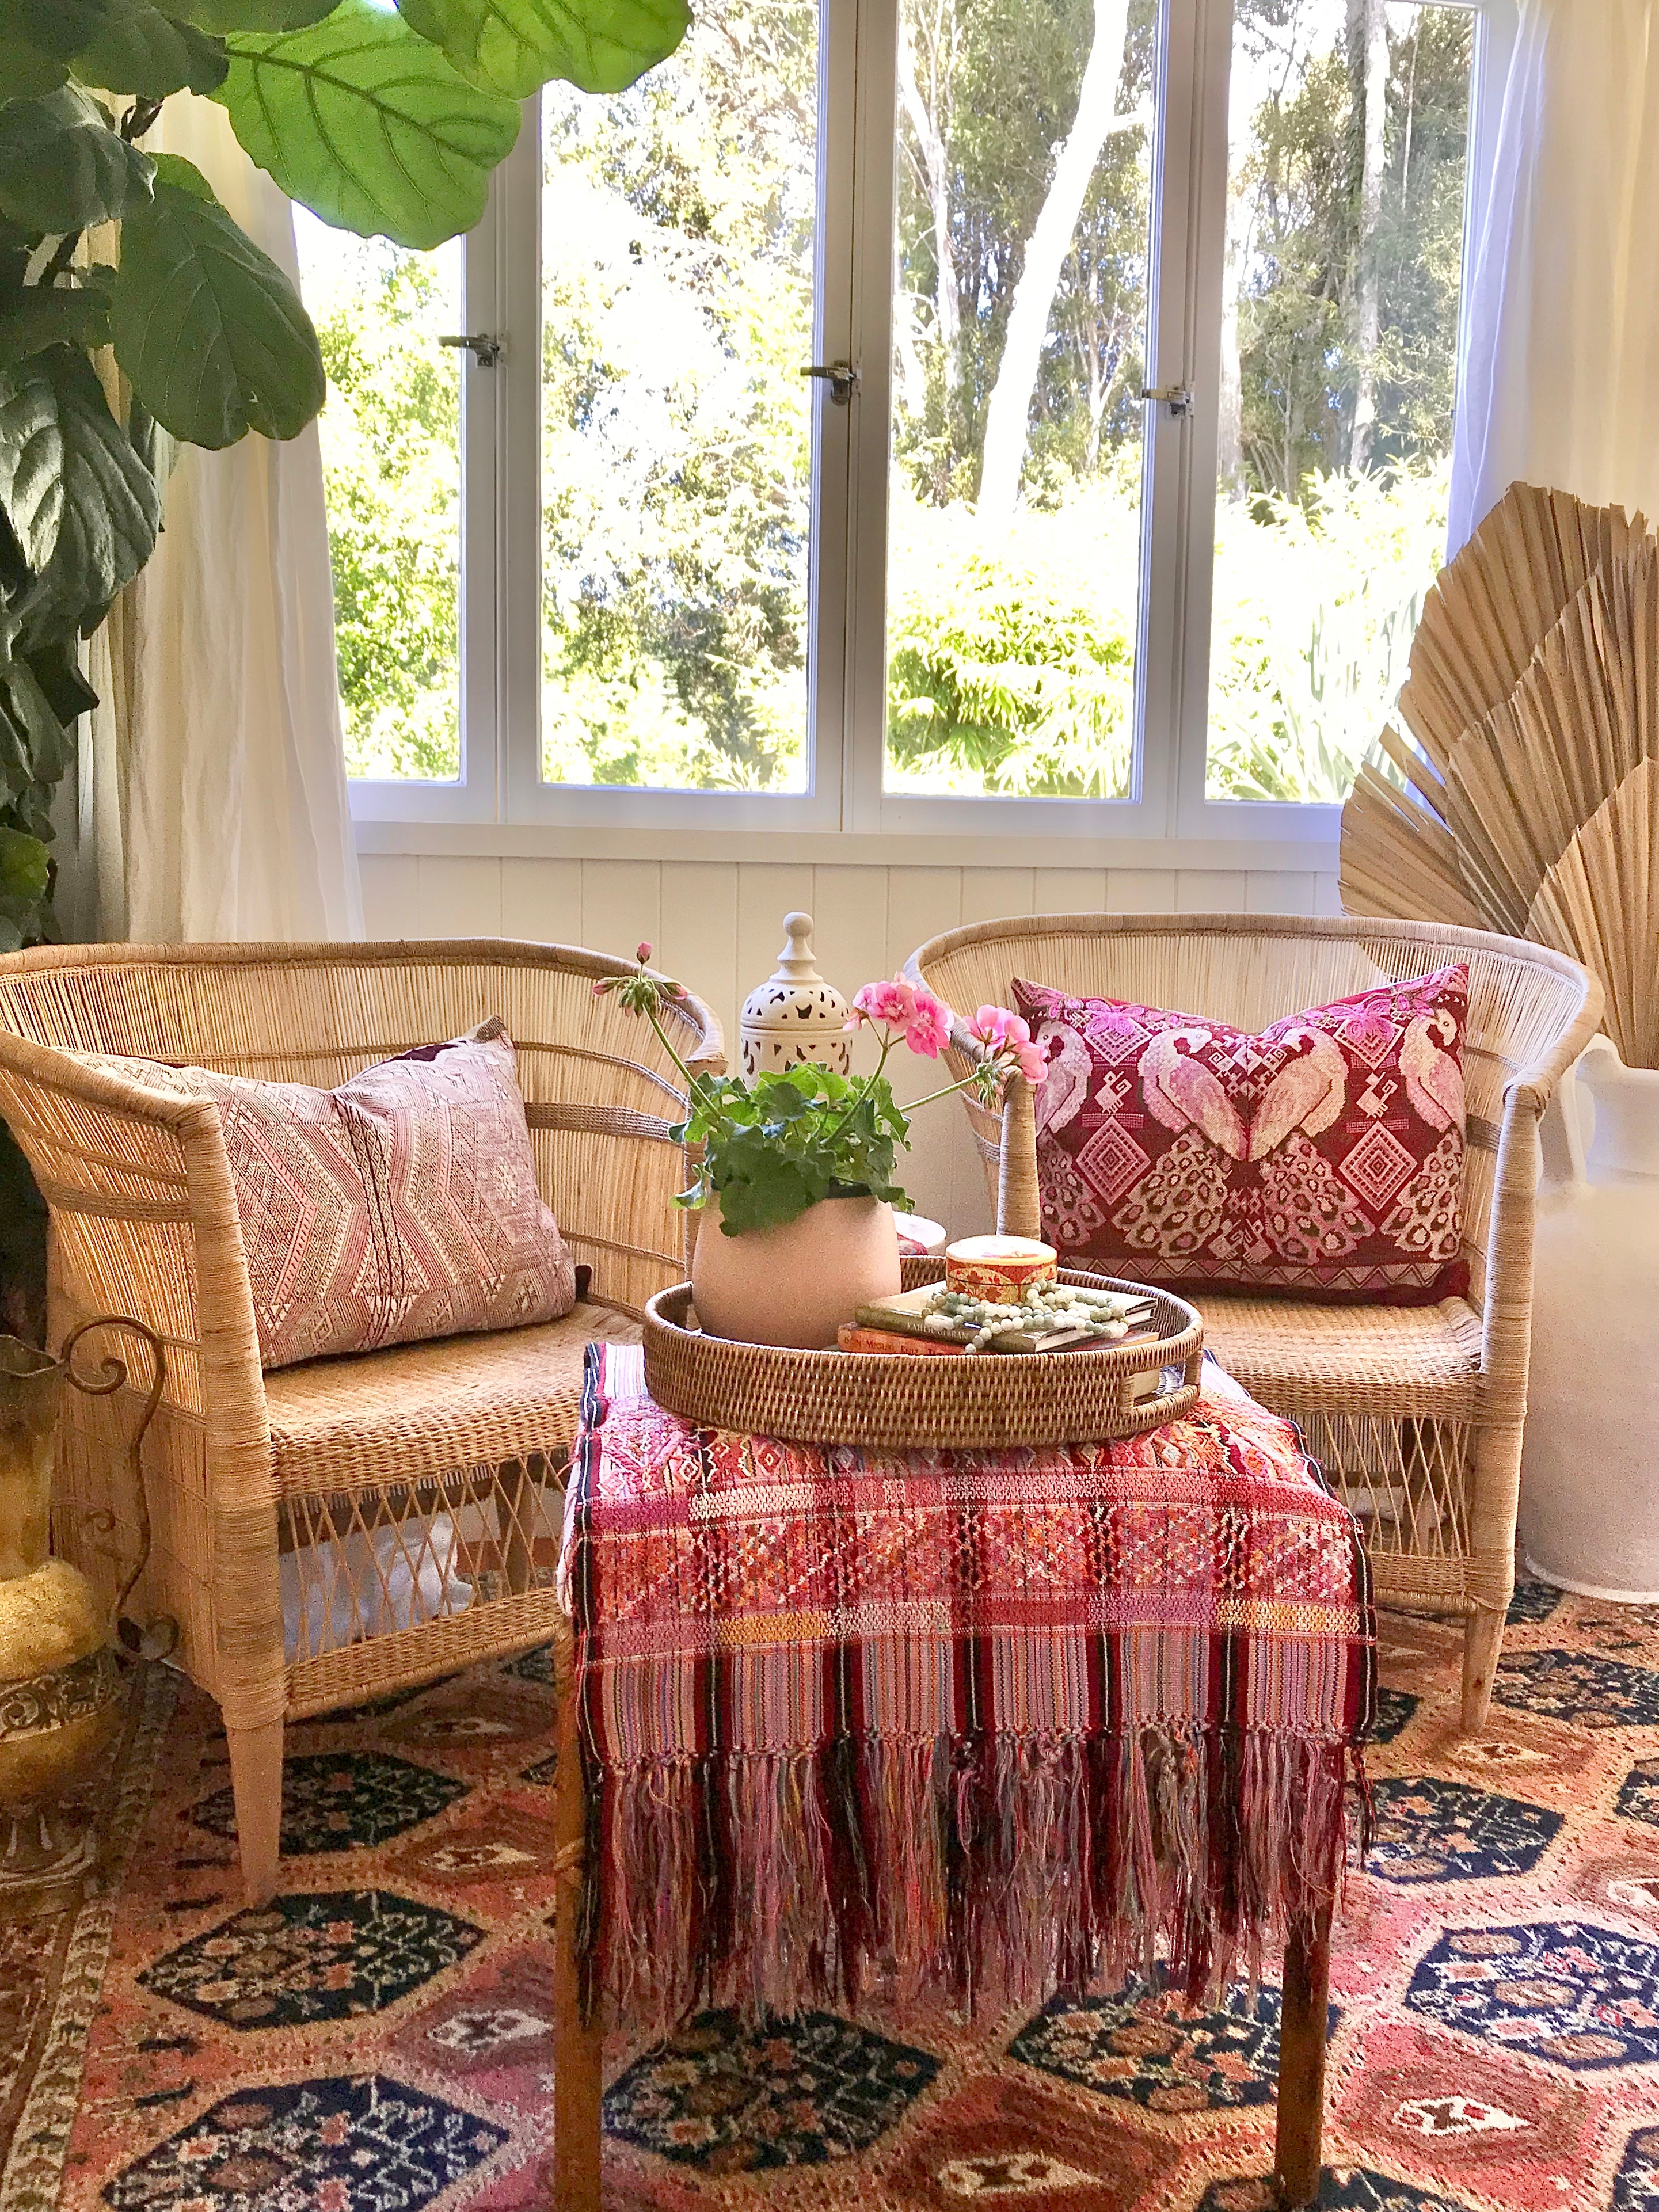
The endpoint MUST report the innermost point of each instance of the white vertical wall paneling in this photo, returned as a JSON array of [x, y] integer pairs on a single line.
[[1209, 890], [391, 895], [460, 898], [622, 903], [767, 890], [1140, 890], [850, 907], [1279, 891], [699, 940], [1070, 890], [989, 894], [541, 900]]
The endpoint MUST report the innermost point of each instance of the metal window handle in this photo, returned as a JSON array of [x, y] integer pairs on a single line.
[[485, 346], [1178, 397], [841, 377]]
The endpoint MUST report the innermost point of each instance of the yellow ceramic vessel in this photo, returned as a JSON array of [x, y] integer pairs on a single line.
[[60, 1688]]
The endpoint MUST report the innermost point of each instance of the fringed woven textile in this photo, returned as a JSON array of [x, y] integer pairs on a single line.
[[969, 1726]]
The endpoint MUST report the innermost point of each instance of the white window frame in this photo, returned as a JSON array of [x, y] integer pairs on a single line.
[[499, 783]]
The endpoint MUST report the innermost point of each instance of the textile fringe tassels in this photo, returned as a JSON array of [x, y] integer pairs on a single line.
[[1524, 800], [975, 1874]]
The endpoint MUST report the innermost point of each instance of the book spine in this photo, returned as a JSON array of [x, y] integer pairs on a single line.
[[851, 1337]]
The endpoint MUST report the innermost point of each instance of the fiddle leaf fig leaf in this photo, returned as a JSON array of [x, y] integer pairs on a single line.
[[516, 45], [82, 507], [139, 49], [369, 124], [59, 27], [40, 315], [23, 864], [27, 71], [63, 167], [209, 331], [251, 15]]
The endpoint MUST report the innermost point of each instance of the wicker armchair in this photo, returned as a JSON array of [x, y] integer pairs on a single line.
[[403, 1503], [1414, 1412]]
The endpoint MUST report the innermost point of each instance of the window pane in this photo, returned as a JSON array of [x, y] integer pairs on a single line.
[[677, 238], [1019, 321], [391, 463], [1349, 128]]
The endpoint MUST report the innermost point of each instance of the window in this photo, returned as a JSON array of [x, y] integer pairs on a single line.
[[945, 416]]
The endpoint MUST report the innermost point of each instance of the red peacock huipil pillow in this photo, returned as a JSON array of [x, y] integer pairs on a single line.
[[1323, 1158]]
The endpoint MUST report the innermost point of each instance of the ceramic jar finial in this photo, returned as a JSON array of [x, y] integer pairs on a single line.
[[795, 1016]]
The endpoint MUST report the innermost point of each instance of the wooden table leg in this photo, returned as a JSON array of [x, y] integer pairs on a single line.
[[578, 2045], [1302, 2064]]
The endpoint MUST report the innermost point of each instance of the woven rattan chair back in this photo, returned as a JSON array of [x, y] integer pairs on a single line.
[[1416, 1415], [321, 1486]]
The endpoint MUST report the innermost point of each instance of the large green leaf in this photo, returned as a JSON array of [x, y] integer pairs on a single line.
[[35, 746], [26, 71], [63, 167], [50, 314], [52, 27], [82, 507], [140, 50], [208, 329], [251, 15], [369, 124], [23, 861], [515, 45]]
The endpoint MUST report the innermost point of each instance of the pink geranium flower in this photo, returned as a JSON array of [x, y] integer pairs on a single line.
[[892, 1003], [928, 1030], [1008, 1039]]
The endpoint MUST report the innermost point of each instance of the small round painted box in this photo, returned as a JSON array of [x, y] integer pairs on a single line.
[[1001, 1269]]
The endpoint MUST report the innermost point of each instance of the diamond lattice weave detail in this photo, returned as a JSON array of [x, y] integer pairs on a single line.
[[402, 1206], [1322, 1157], [971, 1724]]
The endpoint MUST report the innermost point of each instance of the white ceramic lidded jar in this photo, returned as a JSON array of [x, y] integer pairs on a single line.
[[795, 1017]]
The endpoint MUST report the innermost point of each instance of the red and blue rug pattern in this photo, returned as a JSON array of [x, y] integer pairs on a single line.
[[377, 2038]]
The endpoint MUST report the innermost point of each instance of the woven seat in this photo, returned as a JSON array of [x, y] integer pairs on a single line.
[[331, 1531], [1428, 1355], [1414, 1414], [425, 1409]]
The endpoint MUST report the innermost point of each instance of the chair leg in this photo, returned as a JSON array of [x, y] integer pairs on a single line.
[[1483, 1644], [579, 2044], [1302, 2064], [255, 1783]]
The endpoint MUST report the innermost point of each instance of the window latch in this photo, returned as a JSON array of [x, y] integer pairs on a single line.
[[841, 377], [1178, 397], [485, 346]]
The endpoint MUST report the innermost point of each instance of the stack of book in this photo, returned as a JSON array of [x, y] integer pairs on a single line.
[[901, 1324]]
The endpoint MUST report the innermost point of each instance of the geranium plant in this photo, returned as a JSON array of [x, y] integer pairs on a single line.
[[772, 1145]]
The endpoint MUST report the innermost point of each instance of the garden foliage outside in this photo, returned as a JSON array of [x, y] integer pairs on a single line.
[[676, 284]]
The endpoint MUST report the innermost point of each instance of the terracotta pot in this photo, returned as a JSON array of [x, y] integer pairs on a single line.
[[795, 1283]]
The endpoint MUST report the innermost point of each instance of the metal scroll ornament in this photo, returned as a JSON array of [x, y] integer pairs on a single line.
[[61, 1687]]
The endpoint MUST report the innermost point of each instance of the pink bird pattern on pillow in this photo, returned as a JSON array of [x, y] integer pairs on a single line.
[[1323, 1156]]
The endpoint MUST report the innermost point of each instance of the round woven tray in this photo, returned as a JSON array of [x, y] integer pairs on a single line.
[[898, 1402]]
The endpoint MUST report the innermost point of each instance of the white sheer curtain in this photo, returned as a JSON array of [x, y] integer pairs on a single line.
[[213, 792], [1561, 382]]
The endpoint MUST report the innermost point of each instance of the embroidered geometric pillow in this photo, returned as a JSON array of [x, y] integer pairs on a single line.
[[402, 1206], [1323, 1157]]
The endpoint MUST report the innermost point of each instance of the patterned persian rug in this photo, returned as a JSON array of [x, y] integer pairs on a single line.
[[376, 2039]]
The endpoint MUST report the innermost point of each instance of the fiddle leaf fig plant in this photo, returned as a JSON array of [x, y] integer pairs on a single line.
[[131, 301]]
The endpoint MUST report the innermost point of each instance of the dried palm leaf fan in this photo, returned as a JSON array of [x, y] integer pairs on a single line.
[[1536, 815], [1481, 624]]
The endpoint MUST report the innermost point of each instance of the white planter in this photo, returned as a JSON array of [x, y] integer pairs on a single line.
[[795, 1284], [1589, 1473]]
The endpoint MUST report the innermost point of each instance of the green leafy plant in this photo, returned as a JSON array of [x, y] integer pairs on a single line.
[[131, 302], [770, 1146]]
